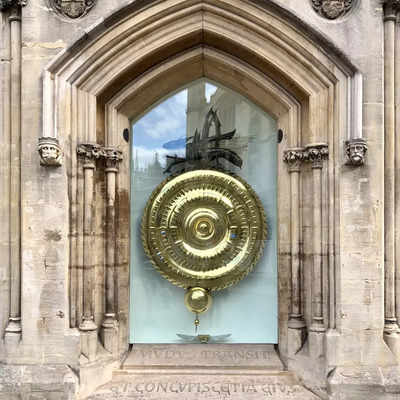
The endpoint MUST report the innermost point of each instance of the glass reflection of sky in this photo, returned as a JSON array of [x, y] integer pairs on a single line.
[[247, 311], [163, 129]]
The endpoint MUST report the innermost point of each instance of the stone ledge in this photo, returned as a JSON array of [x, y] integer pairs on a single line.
[[209, 386], [210, 355], [37, 382], [365, 382]]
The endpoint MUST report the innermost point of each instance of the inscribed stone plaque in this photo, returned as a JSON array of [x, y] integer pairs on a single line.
[[211, 355]]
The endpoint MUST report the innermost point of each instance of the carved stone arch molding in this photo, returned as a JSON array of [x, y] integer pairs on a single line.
[[137, 56]]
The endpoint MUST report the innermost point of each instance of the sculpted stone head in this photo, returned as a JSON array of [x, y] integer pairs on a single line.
[[50, 152], [356, 150]]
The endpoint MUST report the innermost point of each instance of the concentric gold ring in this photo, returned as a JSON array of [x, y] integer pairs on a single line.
[[204, 228]]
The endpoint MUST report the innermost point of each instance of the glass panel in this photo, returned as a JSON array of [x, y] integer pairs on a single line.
[[248, 310]]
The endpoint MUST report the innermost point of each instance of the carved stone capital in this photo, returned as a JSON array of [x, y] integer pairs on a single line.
[[7, 4], [390, 9], [89, 152], [50, 152], [293, 157], [112, 157], [356, 150], [332, 9], [316, 153]]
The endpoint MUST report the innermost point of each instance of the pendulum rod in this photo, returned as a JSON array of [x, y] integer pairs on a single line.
[[196, 324]]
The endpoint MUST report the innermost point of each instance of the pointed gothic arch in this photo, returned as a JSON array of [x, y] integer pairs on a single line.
[[135, 57]]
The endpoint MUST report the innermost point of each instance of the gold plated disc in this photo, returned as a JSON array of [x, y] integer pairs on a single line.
[[204, 228]]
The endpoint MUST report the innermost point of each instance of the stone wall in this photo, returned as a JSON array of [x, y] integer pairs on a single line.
[[77, 76]]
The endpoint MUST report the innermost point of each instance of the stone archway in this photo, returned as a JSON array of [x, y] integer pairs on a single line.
[[134, 58]]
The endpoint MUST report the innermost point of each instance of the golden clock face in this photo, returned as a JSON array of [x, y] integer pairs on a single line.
[[204, 229]]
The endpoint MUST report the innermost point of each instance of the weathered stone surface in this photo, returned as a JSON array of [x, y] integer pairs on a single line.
[[293, 64], [211, 355], [364, 382], [204, 385], [37, 382]]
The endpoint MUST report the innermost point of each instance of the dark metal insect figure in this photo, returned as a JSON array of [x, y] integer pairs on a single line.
[[199, 153]]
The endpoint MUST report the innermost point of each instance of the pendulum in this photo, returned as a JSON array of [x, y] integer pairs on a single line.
[[196, 324], [204, 231], [197, 300]]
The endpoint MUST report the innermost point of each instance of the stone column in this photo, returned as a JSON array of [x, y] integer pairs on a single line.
[[356, 145], [48, 146], [14, 329], [6, 131], [109, 330], [296, 324], [89, 153], [316, 153], [391, 329], [397, 167]]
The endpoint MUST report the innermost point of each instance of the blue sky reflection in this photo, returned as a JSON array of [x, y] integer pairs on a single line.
[[163, 129]]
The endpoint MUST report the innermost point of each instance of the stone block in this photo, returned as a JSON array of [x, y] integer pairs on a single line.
[[391, 379], [316, 345], [109, 337], [10, 396], [212, 355], [356, 383], [11, 342], [331, 348], [210, 385], [295, 340], [37, 382], [89, 344], [95, 374]]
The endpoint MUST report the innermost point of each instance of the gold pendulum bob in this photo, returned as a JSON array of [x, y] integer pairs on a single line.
[[204, 231], [198, 300]]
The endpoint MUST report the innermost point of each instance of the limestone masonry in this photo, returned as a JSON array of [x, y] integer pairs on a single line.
[[76, 73]]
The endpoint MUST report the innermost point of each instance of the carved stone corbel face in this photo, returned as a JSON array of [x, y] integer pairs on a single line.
[[356, 150], [50, 152]]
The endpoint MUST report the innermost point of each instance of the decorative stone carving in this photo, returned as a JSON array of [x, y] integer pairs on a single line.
[[293, 157], [392, 3], [6, 4], [332, 9], [356, 150], [93, 151], [316, 153], [390, 9], [90, 151], [50, 152], [112, 157], [73, 8]]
